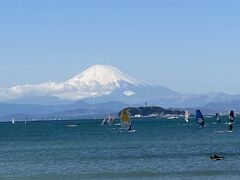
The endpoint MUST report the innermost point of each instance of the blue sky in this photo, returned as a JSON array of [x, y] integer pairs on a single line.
[[186, 45]]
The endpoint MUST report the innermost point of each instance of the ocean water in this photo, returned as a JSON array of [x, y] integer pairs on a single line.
[[159, 149]]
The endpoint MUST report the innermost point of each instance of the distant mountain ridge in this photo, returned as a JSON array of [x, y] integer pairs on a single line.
[[77, 110]]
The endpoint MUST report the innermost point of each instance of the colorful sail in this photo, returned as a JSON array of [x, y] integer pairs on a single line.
[[125, 119], [199, 117]]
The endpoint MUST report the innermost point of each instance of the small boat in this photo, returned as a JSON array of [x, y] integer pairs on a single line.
[[199, 118]]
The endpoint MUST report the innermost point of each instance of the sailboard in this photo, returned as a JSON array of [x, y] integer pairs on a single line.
[[125, 121], [199, 118]]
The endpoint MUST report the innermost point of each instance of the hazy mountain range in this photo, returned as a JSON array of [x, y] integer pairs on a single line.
[[93, 92]]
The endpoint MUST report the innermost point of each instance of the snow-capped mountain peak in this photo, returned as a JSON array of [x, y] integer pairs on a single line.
[[102, 75]]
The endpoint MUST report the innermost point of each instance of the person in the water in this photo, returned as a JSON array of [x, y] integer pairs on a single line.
[[216, 157]]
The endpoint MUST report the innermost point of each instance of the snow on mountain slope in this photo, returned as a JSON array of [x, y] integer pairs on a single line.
[[102, 75], [96, 81]]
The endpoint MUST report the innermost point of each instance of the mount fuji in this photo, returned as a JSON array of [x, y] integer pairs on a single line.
[[99, 83]]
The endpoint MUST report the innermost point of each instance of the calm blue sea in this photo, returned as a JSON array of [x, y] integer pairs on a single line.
[[159, 149]]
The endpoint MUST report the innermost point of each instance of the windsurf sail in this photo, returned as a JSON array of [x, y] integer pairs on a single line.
[[231, 116], [199, 117], [186, 115], [125, 120], [231, 119], [217, 117], [108, 120], [13, 121], [104, 121]]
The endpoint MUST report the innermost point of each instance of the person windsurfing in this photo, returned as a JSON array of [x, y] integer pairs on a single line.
[[130, 128], [199, 118], [217, 117], [231, 120], [125, 121]]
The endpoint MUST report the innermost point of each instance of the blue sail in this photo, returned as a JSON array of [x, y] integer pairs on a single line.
[[199, 117]]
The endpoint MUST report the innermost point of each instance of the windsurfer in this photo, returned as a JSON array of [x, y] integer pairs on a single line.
[[231, 120], [130, 128], [199, 118], [217, 117]]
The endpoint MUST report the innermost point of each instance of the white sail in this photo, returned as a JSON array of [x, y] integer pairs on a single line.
[[104, 121], [13, 121], [108, 120]]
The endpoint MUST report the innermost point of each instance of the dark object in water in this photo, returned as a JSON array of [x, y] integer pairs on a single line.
[[216, 157]]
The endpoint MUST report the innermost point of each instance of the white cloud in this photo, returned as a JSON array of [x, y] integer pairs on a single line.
[[128, 93]]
